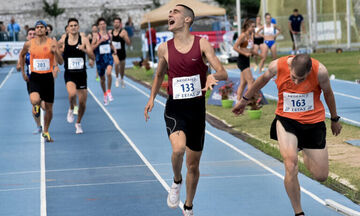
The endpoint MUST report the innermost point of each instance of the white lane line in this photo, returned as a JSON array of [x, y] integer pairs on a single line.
[[318, 199], [132, 144], [7, 77], [43, 211], [346, 95]]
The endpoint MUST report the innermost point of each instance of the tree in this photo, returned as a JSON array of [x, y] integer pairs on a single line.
[[53, 10]]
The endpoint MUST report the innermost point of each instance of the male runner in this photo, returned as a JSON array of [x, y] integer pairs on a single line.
[[26, 75], [119, 37], [75, 47], [43, 52], [300, 115], [183, 59], [104, 60]]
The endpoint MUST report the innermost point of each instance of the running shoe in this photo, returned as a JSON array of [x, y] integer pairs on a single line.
[[122, 83], [173, 198], [79, 130], [117, 83], [47, 137], [97, 79], [70, 116], [188, 212], [76, 110], [106, 102], [110, 97], [36, 111], [38, 130]]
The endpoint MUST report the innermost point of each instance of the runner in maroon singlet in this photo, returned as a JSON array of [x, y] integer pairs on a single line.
[[183, 59]]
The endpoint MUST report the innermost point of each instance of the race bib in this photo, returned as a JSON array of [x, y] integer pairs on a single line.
[[41, 64], [75, 63], [298, 102], [105, 49], [117, 45], [186, 87]]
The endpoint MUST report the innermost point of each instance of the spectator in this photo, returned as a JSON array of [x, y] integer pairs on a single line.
[[153, 43], [13, 28], [49, 29], [295, 25], [129, 27], [3, 34]]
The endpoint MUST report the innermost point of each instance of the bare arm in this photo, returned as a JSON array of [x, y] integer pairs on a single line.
[[258, 84], [324, 83], [22, 57], [159, 77], [209, 53], [290, 27], [237, 45], [258, 32], [279, 30], [125, 36], [88, 49], [55, 50]]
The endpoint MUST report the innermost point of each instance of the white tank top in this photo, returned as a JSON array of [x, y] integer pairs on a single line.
[[256, 30], [269, 31]]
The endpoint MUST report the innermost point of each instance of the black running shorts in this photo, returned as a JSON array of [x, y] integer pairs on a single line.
[[310, 136], [44, 85], [243, 62], [79, 78], [187, 115]]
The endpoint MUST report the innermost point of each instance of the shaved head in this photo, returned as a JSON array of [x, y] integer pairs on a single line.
[[301, 64], [188, 12]]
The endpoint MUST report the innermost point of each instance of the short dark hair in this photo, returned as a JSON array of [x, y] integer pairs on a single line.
[[267, 14], [189, 11], [50, 26], [100, 19], [117, 18], [30, 29], [301, 64], [295, 10], [73, 19], [66, 27], [94, 25]]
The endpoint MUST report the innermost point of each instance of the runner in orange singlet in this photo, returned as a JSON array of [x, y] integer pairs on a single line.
[[43, 52], [299, 122]]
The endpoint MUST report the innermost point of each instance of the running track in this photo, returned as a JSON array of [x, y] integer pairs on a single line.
[[121, 165]]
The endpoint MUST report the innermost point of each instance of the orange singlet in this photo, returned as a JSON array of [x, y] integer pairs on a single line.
[[41, 58], [300, 102]]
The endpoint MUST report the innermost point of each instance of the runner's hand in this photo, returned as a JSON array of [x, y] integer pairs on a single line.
[[336, 128], [18, 67], [239, 107], [91, 63], [248, 54], [53, 48], [81, 47], [210, 82], [56, 71], [25, 77], [148, 109]]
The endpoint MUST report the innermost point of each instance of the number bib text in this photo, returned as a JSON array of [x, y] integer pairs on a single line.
[[186, 87], [117, 45], [41, 64], [298, 102], [75, 63], [105, 49]]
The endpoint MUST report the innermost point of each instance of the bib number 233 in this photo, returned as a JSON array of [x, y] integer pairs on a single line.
[[186, 87]]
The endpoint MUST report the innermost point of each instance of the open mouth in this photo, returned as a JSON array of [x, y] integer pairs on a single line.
[[171, 22]]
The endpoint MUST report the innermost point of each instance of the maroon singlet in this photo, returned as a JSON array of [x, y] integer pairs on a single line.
[[188, 64]]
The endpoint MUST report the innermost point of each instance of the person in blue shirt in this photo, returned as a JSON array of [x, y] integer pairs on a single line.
[[13, 28], [295, 25]]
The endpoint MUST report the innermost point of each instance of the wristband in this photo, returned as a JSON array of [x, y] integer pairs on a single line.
[[335, 119], [245, 98]]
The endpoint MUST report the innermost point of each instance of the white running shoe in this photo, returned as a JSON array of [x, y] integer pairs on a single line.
[[106, 102], [110, 97], [117, 83], [70, 116], [173, 198], [188, 212], [76, 110], [122, 83], [79, 130]]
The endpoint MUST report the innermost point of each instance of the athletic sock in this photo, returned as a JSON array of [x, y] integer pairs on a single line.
[[187, 207], [178, 182]]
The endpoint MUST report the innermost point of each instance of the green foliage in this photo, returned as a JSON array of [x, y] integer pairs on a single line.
[[53, 9]]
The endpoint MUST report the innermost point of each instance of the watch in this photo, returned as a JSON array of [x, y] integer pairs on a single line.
[[335, 119]]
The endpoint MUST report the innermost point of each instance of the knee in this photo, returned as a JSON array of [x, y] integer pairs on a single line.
[[178, 152], [291, 166], [193, 167], [321, 176], [82, 103]]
